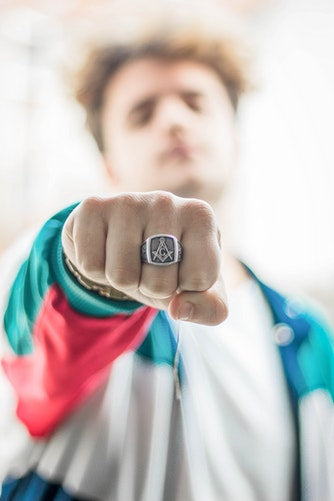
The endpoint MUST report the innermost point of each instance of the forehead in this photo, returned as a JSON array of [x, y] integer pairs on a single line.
[[154, 77]]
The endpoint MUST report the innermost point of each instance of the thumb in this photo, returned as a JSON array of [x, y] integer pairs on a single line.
[[206, 307]]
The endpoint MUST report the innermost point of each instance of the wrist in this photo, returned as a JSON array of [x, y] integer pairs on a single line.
[[103, 290]]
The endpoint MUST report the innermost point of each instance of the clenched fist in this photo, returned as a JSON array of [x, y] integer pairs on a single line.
[[102, 238]]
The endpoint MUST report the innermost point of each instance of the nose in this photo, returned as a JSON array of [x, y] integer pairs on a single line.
[[172, 114]]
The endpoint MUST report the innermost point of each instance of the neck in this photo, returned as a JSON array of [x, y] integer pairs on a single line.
[[233, 272]]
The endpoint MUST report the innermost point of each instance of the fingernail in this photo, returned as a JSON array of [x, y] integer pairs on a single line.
[[185, 312]]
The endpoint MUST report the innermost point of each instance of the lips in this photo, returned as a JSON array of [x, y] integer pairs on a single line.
[[179, 151]]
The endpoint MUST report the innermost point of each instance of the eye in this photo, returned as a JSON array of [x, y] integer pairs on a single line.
[[142, 118], [141, 114], [194, 101]]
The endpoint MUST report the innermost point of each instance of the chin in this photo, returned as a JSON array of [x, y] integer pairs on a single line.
[[209, 192]]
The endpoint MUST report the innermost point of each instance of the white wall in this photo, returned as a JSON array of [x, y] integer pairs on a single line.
[[285, 205]]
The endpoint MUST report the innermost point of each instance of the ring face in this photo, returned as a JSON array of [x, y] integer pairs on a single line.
[[161, 250]]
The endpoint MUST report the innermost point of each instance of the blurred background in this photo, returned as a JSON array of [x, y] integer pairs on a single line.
[[283, 203]]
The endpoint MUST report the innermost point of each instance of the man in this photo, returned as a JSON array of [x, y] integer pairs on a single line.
[[130, 382]]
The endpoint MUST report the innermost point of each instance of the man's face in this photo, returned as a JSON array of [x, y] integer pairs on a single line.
[[169, 125]]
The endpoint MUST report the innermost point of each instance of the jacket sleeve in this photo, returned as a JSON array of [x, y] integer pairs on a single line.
[[316, 354], [63, 337]]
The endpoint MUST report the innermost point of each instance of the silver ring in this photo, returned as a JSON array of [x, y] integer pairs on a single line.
[[161, 250]]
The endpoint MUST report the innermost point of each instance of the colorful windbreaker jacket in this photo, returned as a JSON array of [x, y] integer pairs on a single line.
[[55, 365]]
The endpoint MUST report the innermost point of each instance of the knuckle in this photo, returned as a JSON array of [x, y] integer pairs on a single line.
[[163, 200], [200, 211], [197, 204], [91, 204], [125, 199], [204, 214], [129, 202]]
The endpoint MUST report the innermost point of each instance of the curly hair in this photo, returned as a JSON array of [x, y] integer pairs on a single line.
[[171, 37]]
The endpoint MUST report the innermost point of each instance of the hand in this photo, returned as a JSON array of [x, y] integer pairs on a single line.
[[102, 238]]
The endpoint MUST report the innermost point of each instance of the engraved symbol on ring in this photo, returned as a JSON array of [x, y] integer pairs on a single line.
[[162, 253]]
